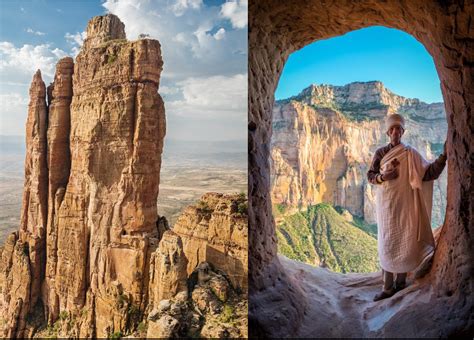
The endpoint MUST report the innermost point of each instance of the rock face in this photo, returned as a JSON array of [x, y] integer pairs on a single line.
[[215, 231], [211, 308], [276, 29], [89, 217], [168, 273], [324, 139], [23, 257]]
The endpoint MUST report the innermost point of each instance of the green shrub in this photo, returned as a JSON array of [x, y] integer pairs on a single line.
[[142, 327], [227, 314], [242, 208], [111, 58], [115, 335], [63, 315]]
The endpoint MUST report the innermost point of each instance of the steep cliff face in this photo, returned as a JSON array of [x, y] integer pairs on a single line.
[[324, 139], [91, 184], [92, 258], [215, 230]]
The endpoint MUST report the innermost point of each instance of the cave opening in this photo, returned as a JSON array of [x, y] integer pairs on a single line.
[[287, 298], [327, 122]]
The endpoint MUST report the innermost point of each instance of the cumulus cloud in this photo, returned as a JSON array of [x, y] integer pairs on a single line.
[[18, 64], [212, 97], [189, 42], [29, 30], [236, 12], [12, 101], [166, 90], [180, 6], [220, 34], [75, 40]]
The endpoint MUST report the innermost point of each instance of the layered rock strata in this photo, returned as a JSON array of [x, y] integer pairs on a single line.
[[89, 217], [215, 231], [324, 139]]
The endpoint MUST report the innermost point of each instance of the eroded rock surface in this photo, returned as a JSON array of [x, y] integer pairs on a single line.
[[91, 184], [215, 231]]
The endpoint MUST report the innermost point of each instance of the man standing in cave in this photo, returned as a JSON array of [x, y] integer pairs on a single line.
[[404, 182]]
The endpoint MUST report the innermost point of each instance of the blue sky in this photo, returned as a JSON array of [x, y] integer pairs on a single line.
[[50, 20], [204, 48], [374, 53]]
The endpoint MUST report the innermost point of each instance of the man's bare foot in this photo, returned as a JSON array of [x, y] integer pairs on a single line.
[[384, 294]]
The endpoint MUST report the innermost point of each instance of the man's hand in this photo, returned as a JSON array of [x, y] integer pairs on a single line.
[[391, 174]]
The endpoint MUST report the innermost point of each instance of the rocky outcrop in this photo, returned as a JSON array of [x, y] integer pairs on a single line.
[[198, 282], [215, 231], [16, 283], [210, 308], [276, 29], [23, 258], [168, 273], [91, 185], [324, 139], [59, 165]]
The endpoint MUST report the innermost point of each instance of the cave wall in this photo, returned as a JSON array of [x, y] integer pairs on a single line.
[[446, 29]]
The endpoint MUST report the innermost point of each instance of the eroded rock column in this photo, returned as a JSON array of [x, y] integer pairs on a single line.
[[59, 163], [109, 206]]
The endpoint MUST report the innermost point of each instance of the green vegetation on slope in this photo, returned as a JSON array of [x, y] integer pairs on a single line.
[[323, 236]]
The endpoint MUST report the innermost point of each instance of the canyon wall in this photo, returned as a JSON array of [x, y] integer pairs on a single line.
[[324, 139]]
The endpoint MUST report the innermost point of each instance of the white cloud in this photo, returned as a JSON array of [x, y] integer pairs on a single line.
[[76, 40], [180, 6], [11, 101], [18, 64], [17, 67], [220, 34], [212, 96], [236, 11], [29, 30], [166, 90], [189, 47], [13, 112]]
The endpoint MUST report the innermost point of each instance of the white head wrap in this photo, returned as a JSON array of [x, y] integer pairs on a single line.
[[394, 119]]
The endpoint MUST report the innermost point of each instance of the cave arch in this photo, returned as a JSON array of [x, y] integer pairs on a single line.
[[314, 164], [276, 29]]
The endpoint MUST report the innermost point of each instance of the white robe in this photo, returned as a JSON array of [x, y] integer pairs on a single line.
[[403, 208]]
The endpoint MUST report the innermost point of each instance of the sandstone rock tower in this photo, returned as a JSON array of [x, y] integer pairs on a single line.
[[88, 222], [92, 258]]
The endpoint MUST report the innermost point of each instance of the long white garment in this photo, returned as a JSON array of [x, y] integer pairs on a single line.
[[403, 208]]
